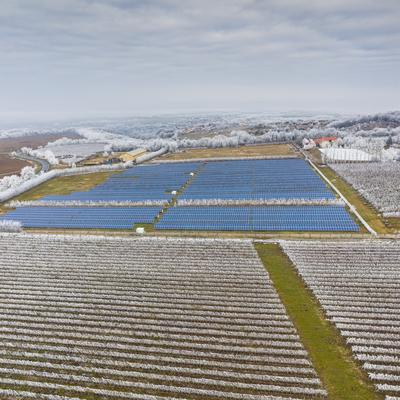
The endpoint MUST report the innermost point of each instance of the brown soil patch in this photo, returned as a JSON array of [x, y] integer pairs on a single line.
[[11, 166], [11, 144], [241, 151]]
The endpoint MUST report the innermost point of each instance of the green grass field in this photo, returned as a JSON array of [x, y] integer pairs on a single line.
[[342, 377], [393, 224], [66, 185], [63, 185]]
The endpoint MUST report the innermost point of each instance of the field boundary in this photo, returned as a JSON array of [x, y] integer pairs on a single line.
[[352, 208], [340, 374], [369, 212], [244, 151], [211, 159]]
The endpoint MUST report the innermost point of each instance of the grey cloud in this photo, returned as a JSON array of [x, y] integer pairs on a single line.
[[134, 54]]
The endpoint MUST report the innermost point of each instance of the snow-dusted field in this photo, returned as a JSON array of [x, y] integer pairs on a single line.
[[358, 285], [379, 183], [116, 318]]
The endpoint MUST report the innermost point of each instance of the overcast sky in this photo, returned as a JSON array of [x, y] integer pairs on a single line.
[[83, 57]]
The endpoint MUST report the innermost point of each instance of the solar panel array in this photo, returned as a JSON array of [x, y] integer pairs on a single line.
[[83, 218], [258, 218], [225, 180], [257, 179], [146, 182]]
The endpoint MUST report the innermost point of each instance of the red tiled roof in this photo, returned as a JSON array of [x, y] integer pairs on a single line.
[[325, 139]]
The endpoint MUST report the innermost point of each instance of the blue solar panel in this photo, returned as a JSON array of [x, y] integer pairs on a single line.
[[83, 217], [145, 182], [260, 218], [236, 180], [257, 180]]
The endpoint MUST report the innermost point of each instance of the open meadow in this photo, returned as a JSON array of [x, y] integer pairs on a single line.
[[262, 150]]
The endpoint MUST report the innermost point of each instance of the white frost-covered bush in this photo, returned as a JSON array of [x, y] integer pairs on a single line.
[[357, 284], [210, 318], [42, 153], [13, 181], [379, 183], [10, 226], [367, 132], [27, 173]]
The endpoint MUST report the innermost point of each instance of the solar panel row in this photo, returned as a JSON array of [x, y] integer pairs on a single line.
[[270, 218], [257, 179], [83, 218], [146, 182], [242, 179]]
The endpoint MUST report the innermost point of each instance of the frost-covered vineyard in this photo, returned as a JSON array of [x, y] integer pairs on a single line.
[[358, 285], [90, 318], [379, 183]]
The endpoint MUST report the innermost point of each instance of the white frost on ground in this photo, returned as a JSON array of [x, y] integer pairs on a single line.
[[357, 285], [179, 318], [379, 183], [10, 226], [13, 181]]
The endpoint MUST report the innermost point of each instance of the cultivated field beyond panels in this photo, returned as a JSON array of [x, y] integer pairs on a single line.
[[264, 150], [10, 166], [379, 183], [95, 318], [358, 285]]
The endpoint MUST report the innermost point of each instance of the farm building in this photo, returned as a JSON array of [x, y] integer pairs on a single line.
[[131, 155], [324, 142], [98, 160], [115, 158]]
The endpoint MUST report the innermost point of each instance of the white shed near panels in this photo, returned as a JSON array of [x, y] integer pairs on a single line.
[[333, 154]]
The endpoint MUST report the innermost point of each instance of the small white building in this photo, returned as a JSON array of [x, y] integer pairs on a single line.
[[333, 154]]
